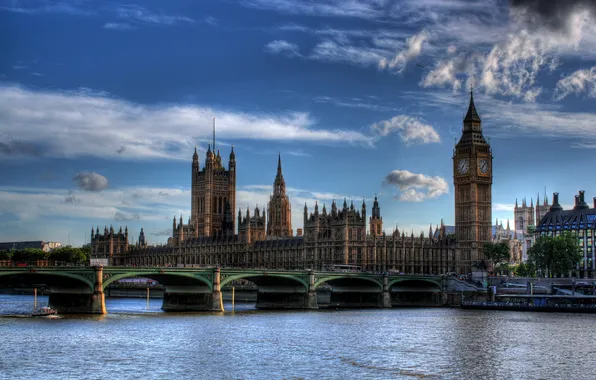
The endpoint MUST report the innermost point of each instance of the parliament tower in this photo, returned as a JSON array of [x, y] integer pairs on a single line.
[[213, 199], [472, 179], [279, 221]]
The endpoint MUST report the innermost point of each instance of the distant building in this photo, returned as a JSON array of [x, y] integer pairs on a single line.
[[511, 238], [528, 215], [46, 246], [581, 221]]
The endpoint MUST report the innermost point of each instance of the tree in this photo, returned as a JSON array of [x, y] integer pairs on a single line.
[[29, 254], [496, 253], [5, 255], [530, 231], [525, 269], [557, 255], [69, 254]]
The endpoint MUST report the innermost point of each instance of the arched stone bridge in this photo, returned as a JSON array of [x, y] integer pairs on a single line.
[[81, 289]]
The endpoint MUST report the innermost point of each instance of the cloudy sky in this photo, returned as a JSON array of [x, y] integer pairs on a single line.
[[102, 104]]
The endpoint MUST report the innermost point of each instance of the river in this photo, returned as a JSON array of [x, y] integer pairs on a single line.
[[133, 342]]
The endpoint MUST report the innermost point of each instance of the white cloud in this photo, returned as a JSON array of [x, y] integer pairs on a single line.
[[117, 26], [577, 83], [333, 51], [410, 129], [63, 124], [282, 47], [411, 195], [503, 207], [143, 15], [339, 8], [152, 208], [408, 182], [412, 50]]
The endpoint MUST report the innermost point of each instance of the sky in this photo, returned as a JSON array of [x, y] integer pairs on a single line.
[[102, 104]]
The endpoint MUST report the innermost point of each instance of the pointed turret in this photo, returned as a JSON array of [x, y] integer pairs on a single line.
[[508, 229], [472, 115], [279, 164], [515, 202], [430, 231]]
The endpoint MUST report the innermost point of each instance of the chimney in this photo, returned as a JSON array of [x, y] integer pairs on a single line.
[[576, 202], [555, 206], [299, 232], [581, 203], [594, 202]]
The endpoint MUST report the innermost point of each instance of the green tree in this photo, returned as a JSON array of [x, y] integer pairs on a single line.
[[69, 254], [29, 254], [530, 231], [555, 256], [5, 255], [527, 269], [497, 253]]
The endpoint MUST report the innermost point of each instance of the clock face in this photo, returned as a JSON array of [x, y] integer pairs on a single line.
[[463, 165], [483, 166]]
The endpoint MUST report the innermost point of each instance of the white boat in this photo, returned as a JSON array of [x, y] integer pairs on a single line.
[[44, 312]]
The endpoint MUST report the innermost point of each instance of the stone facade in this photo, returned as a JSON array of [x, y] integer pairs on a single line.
[[510, 237], [328, 238], [472, 179], [280, 210], [109, 244]]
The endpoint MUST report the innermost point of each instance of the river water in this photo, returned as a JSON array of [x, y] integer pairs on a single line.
[[132, 342]]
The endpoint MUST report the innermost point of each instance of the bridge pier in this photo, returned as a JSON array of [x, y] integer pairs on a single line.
[[386, 294], [79, 300], [194, 298]]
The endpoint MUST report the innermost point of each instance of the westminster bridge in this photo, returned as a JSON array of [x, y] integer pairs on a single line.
[[81, 289]]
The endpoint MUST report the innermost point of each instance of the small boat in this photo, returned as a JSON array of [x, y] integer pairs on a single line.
[[44, 312]]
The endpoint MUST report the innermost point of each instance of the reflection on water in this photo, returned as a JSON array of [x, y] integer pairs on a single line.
[[132, 342]]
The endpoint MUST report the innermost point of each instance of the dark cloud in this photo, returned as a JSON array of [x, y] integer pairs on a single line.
[[91, 181], [122, 217], [163, 194], [553, 14], [71, 198], [12, 147], [121, 149]]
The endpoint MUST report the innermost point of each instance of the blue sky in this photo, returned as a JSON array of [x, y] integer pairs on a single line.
[[102, 103]]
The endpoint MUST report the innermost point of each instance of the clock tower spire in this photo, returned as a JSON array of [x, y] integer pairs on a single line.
[[472, 180]]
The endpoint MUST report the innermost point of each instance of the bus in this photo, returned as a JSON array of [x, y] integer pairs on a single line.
[[344, 268]]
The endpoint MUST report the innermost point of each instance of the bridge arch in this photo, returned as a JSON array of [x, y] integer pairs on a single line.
[[164, 278], [266, 278], [420, 281], [345, 278], [52, 277]]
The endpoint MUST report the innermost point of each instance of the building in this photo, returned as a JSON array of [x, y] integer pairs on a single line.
[[46, 246], [581, 221], [472, 179], [511, 238], [280, 210], [526, 216], [341, 235], [213, 189], [530, 215], [105, 246]]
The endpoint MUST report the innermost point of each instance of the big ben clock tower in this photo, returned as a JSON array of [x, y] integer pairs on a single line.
[[472, 179]]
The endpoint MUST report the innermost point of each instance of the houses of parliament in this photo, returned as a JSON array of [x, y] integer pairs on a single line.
[[343, 234]]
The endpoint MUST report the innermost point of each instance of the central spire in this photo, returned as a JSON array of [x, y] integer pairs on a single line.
[[472, 115], [279, 174]]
